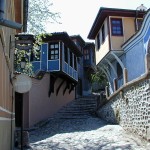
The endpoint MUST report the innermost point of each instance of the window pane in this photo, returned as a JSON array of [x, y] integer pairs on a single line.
[[113, 22], [56, 51], [51, 46], [87, 56], [52, 51], [116, 26], [75, 63], [56, 45], [71, 59], [66, 54], [117, 22], [52, 56]]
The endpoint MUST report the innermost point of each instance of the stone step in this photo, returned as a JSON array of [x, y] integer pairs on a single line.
[[75, 112], [71, 116], [79, 108], [79, 104], [83, 102]]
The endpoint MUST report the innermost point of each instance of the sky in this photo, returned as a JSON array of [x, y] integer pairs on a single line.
[[77, 16]]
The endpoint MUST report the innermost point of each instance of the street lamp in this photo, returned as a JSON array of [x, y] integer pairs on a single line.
[[22, 84]]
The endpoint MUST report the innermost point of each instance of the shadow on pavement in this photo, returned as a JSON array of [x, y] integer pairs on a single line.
[[58, 126]]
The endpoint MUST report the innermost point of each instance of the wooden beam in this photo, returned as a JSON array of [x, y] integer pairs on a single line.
[[57, 91]]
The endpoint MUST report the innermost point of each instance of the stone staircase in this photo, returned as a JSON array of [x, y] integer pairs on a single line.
[[79, 108]]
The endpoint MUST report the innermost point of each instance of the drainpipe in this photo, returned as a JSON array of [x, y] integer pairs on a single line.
[[5, 22]]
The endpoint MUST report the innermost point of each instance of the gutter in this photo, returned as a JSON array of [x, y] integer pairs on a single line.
[[5, 22]]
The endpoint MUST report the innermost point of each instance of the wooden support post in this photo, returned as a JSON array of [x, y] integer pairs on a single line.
[[125, 76], [147, 63], [107, 91], [115, 84]]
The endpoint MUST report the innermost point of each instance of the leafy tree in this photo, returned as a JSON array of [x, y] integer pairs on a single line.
[[99, 77], [39, 13]]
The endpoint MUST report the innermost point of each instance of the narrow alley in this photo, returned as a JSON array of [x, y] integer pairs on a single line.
[[88, 133]]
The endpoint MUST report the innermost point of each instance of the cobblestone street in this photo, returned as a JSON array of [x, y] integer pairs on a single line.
[[83, 134]]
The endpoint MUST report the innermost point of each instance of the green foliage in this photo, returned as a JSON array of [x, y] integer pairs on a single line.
[[99, 77], [38, 41], [39, 15], [25, 55]]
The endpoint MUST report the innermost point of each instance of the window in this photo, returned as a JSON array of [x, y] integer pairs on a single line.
[[139, 24], [66, 54], [116, 27], [93, 56], [98, 42], [78, 45], [71, 63], [86, 54], [53, 51], [103, 34], [119, 70], [75, 62]]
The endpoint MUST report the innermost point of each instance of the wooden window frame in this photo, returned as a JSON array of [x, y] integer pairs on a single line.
[[103, 33], [139, 23], [119, 70], [119, 27], [50, 54], [75, 62], [71, 59], [98, 41], [66, 54], [86, 54]]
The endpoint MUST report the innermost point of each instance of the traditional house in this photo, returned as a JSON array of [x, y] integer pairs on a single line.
[[86, 65], [89, 66], [137, 50], [111, 30], [55, 79], [61, 74], [128, 71], [12, 15]]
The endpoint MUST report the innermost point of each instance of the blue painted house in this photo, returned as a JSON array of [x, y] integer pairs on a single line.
[[58, 55], [137, 49], [86, 64], [89, 66], [56, 75], [61, 73], [120, 39]]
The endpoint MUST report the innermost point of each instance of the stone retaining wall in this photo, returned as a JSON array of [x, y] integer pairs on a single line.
[[130, 107]]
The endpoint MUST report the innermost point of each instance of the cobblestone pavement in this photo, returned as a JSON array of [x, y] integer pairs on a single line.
[[83, 134]]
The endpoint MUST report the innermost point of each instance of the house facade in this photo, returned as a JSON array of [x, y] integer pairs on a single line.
[[55, 78], [12, 17], [111, 29], [89, 66], [86, 65], [128, 105], [138, 48], [61, 74]]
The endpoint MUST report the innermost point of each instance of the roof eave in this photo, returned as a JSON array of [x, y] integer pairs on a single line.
[[104, 12]]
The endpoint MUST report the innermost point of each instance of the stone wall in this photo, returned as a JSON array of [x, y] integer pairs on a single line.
[[130, 107]]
